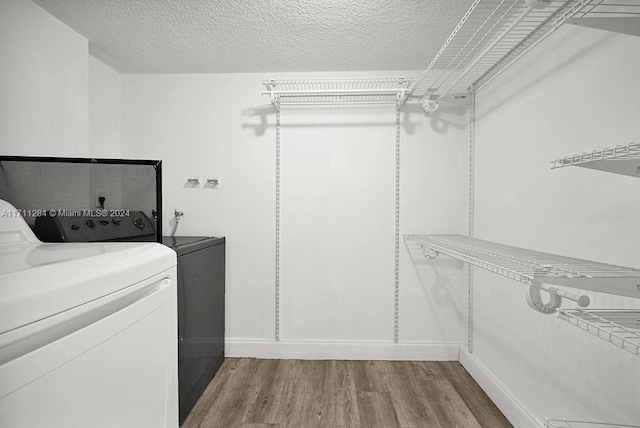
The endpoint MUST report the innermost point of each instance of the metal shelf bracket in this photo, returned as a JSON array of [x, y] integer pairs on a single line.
[[535, 301], [270, 90], [429, 105], [429, 253]]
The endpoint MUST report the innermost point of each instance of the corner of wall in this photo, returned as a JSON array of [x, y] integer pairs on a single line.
[[105, 110], [509, 405]]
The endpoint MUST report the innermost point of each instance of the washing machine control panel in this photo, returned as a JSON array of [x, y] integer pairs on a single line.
[[94, 227]]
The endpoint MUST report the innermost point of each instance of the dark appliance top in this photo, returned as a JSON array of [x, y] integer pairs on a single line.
[[188, 244]]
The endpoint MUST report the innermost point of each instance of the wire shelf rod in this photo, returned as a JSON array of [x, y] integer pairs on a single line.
[[345, 104], [303, 92]]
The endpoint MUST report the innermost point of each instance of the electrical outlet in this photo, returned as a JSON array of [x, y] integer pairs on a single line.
[[212, 183], [99, 194]]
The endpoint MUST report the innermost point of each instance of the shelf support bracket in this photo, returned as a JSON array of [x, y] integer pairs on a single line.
[[534, 298], [429, 105], [275, 99], [429, 253]]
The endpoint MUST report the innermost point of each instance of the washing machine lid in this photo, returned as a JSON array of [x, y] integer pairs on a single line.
[[41, 280], [38, 280]]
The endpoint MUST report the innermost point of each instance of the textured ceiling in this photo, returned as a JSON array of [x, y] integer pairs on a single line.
[[231, 36]]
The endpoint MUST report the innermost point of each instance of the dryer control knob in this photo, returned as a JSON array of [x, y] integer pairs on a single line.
[[139, 222]]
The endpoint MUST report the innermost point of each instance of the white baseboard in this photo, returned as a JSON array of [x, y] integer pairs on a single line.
[[517, 414], [342, 350]]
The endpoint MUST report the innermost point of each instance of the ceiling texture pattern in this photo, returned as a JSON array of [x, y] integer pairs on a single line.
[[236, 36]]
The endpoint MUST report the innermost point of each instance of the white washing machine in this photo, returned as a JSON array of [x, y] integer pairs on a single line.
[[87, 332]]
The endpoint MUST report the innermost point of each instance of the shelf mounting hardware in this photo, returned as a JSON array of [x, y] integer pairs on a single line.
[[536, 301]]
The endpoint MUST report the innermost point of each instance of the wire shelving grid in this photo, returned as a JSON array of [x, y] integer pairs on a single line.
[[490, 36], [528, 266], [617, 326], [335, 92], [612, 15], [621, 153]]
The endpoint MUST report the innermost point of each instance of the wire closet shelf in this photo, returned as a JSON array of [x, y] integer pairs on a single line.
[[493, 34], [489, 37], [619, 327], [623, 159], [564, 423], [533, 267], [620, 16], [337, 92]]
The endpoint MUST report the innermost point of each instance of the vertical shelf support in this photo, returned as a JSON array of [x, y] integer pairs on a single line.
[[277, 290], [396, 301], [472, 140]]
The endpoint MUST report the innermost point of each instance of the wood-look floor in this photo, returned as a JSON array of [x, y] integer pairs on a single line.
[[255, 393]]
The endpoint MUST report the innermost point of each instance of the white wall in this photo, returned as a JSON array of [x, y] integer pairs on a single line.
[[576, 92], [337, 212], [105, 110], [43, 83], [55, 98]]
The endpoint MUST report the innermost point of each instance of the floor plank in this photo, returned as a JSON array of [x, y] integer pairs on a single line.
[[265, 397], [305, 396], [228, 409], [339, 396], [450, 410], [252, 425], [413, 407], [484, 410], [376, 410], [256, 393]]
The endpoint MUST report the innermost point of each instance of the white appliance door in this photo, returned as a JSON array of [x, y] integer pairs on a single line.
[[109, 363]]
